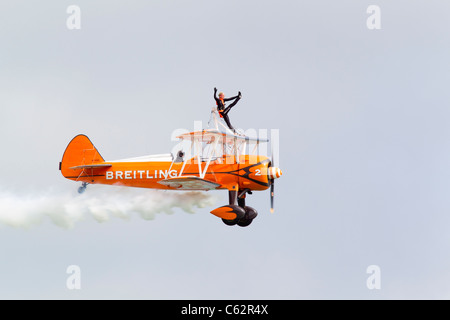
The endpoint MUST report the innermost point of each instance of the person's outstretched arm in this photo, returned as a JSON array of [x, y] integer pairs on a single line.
[[215, 95]]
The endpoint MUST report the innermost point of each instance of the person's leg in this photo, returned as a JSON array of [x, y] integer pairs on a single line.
[[227, 109], [227, 120]]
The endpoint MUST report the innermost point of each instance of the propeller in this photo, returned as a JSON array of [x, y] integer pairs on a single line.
[[274, 173], [272, 195]]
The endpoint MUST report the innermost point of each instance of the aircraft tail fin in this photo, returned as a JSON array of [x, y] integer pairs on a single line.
[[80, 153]]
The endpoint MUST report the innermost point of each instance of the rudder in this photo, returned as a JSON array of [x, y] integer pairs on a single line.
[[80, 151]]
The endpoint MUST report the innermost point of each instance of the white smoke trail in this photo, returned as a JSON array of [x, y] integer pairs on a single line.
[[65, 209]]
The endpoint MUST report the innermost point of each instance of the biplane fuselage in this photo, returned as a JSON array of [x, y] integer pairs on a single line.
[[225, 166], [250, 173]]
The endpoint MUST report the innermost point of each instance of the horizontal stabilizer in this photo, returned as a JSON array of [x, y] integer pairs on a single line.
[[92, 166], [189, 183]]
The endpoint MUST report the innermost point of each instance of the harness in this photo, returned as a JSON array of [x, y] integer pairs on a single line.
[[220, 110]]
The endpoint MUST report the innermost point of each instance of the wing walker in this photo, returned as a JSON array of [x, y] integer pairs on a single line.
[[216, 160]]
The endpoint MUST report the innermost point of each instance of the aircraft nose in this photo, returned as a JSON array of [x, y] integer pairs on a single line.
[[274, 173]]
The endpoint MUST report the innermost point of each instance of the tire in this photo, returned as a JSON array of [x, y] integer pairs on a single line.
[[244, 222], [250, 213], [230, 222]]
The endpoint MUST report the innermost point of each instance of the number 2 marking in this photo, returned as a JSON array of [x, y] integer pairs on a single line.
[[257, 172]]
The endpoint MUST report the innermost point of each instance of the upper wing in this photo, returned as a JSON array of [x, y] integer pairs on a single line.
[[189, 183], [211, 135]]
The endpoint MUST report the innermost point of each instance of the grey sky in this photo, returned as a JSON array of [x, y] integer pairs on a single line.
[[363, 118]]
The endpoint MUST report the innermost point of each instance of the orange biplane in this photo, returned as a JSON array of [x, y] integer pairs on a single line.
[[217, 160]]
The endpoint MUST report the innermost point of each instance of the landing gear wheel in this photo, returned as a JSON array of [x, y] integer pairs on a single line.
[[230, 222], [244, 222], [82, 189], [250, 214]]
